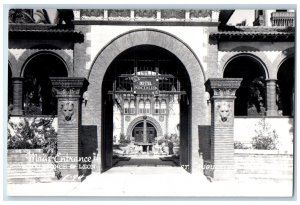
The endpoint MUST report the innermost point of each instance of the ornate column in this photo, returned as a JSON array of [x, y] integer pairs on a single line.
[[69, 95], [271, 107], [17, 96], [222, 93]]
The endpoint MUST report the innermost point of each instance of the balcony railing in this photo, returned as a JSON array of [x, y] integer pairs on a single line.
[[145, 15], [286, 19]]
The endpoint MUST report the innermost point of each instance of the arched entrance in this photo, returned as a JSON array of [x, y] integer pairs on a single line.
[[286, 87], [251, 98], [197, 101], [151, 79], [38, 95], [144, 134], [148, 119]]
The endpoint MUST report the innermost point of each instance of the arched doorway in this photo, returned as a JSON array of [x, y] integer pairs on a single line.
[[251, 98], [144, 135], [142, 82], [38, 95], [197, 102], [286, 87]]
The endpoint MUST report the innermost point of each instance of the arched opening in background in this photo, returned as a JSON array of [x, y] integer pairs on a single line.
[[166, 77], [38, 95], [251, 94], [139, 135], [286, 87]]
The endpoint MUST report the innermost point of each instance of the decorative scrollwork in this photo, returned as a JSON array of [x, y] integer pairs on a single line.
[[224, 92]]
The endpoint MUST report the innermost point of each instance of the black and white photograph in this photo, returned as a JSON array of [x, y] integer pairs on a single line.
[[150, 102]]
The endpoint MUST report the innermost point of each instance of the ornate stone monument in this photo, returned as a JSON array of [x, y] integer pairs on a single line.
[[69, 94], [222, 93]]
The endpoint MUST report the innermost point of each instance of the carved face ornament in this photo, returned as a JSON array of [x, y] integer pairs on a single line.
[[67, 110], [224, 111]]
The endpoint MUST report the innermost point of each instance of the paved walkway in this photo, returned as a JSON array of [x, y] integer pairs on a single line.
[[150, 181], [143, 161]]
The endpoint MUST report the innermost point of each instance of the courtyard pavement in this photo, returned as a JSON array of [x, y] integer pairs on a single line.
[[151, 177]]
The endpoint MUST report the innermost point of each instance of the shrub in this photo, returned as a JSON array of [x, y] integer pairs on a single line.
[[23, 138], [160, 141], [123, 139], [38, 134], [266, 138], [239, 145]]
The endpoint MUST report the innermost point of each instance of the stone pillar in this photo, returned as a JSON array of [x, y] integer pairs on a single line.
[[131, 15], [271, 107], [222, 93], [69, 96], [158, 15], [105, 14], [17, 96], [187, 15], [76, 13]]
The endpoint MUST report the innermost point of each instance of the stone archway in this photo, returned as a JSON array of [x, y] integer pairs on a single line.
[[257, 56], [281, 57], [149, 119], [12, 62], [28, 55], [197, 102]]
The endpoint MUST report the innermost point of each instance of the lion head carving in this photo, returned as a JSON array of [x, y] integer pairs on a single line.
[[224, 111], [67, 110]]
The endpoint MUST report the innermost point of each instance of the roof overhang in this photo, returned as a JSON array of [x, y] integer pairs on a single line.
[[44, 32], [252, 36]]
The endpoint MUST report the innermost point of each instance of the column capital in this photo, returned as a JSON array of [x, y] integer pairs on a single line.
[[69, 87], [222, 87]]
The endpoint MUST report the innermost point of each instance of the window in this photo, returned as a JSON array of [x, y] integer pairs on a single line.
[[132, 107], [147, 106], [156, 107], [141, 106], [126, 107], [163, 107]]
